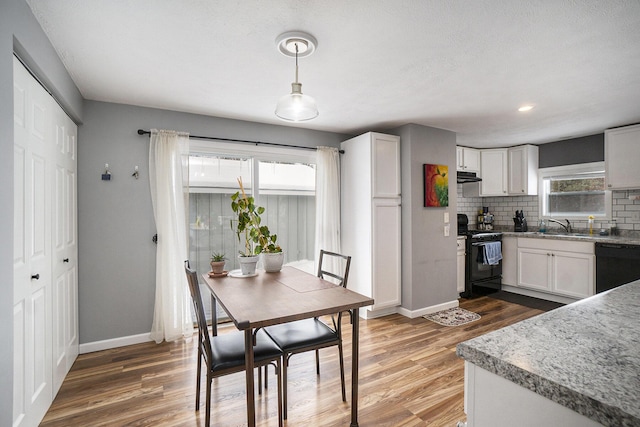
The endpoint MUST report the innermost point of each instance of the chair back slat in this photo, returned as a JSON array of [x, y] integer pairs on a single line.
[[323, 268], [196, 297]]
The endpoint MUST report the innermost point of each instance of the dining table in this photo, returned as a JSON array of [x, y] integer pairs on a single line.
[[264, 299]]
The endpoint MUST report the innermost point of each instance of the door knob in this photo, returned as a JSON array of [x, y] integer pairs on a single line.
[[35, 276], [65, 260]]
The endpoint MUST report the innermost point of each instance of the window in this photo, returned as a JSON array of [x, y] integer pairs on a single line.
[[282, 180], [574, 192]]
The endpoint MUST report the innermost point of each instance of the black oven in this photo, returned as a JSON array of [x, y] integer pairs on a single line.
[[481, 277]]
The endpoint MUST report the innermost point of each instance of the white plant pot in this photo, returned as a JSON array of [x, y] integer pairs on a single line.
[[248, 264], [272, 261]]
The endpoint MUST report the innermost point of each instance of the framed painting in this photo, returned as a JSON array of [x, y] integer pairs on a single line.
[[436, 185]]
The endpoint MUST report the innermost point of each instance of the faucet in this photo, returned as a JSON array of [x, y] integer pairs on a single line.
[[566, 227]]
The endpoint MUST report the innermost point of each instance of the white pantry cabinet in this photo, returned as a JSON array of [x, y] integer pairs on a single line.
[[371, 218], [564, 268], [523, 170], [467, 159], [622, 157]]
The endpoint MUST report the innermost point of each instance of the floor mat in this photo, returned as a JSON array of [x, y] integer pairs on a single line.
[[531, 302], [453, 317]]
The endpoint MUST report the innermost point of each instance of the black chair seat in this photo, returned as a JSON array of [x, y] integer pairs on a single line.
[[300, 334], [227, 350]]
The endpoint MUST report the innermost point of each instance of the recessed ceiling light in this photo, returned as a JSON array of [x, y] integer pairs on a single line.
[[525, 108]]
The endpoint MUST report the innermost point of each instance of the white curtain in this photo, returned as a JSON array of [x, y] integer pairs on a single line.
[[327, 201], [169, 179]]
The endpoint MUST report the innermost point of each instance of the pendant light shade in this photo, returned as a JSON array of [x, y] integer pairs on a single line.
[[296, 107]]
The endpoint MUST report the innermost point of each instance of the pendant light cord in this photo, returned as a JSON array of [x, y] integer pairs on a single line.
[[296, 62]]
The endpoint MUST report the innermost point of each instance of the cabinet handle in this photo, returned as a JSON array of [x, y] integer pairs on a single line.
[[65, 260], [35, 276]]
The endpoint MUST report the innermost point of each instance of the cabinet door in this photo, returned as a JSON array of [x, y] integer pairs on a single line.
[[493, 166], [510, 260], [622, 157], [385, 165], [533, 271], [523, 170], [471, 158], [572, 274], [386, 253]]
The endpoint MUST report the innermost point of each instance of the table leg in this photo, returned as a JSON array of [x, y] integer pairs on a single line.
[[248, 354], [354, 367]]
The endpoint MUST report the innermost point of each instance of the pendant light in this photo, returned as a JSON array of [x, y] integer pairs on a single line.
[[296, 107]]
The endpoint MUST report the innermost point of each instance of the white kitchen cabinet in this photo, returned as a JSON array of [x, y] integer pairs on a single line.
[[494, 172], [460, 253], [622, 157], [523, 170], [564, 268], [493, 169], [509, 260], [467, 159], [371, 218]]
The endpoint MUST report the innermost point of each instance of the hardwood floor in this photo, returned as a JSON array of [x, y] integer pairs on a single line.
[[409, 376]]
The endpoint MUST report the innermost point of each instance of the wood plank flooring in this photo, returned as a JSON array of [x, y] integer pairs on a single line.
[[409, 376]]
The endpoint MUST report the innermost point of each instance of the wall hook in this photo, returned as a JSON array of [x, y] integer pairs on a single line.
[[106, 176], [136, 173]]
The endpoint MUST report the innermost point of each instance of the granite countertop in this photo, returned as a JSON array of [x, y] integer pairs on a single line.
[[581, 237], [584, 356]]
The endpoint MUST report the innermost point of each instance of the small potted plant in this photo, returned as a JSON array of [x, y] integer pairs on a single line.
[[272, 255], [218, 261]]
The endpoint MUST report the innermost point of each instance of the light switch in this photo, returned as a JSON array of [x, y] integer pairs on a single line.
[[446, 217], [446, 230]]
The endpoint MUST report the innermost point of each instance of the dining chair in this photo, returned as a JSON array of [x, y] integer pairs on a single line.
[[224, 354], [313, 334]]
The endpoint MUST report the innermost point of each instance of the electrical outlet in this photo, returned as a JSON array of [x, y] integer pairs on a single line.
[[446, 230], [446, 217]]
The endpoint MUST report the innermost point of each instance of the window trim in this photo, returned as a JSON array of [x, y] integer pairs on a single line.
[[577, 169]]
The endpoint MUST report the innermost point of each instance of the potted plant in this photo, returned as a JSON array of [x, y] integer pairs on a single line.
[[247, 220], [217, 262], [257, 237]]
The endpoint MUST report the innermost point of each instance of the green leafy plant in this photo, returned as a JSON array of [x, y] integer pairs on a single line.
[[257, 237], [218, 257]]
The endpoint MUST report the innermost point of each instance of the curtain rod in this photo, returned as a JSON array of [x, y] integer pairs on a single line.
[[244, 141]]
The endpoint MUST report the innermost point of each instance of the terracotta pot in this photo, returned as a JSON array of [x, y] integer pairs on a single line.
[[217, 267]]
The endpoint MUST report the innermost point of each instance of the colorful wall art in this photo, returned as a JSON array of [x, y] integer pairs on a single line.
[[436, 185]]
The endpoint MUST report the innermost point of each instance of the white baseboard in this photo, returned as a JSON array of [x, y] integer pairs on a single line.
[[367, 313], [114, 343], [412, 314]]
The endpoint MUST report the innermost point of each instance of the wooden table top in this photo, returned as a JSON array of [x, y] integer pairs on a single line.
[[288, 295]]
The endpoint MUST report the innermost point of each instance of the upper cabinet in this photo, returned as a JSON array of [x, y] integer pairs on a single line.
[[467, 159], [523, 170], [493, 168], [622, 157]]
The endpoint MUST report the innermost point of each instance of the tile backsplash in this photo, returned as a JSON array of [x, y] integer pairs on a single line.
[[626, 211]]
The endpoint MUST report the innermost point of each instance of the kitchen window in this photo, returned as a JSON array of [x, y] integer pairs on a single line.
[[574, 192]]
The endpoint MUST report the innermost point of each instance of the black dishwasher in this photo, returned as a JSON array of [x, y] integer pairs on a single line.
[[616, 264]]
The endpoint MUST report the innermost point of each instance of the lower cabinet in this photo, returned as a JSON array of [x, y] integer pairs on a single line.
[[560, 267]]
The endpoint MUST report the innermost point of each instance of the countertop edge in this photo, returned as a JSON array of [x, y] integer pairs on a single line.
[[591, 408]]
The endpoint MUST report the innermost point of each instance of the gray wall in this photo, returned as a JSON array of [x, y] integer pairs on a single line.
[[115, 218], [428, 257], [20, 30], [573, 151]]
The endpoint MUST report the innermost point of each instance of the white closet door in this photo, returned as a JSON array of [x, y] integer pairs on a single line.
[[65, 249], [32, 250]]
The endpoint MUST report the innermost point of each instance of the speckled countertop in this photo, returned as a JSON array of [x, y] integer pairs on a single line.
[[584, 356], [581, 237]]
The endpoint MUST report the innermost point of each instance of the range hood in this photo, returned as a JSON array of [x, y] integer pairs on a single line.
[[464, 177]]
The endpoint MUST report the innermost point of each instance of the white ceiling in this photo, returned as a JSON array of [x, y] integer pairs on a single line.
[[461, 65]]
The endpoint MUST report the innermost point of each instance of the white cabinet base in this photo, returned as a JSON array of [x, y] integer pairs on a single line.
[[492, 401]]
